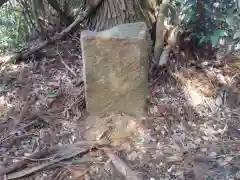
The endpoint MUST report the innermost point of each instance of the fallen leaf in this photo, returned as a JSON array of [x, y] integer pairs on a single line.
[[139, 139], [209, 178], [51, 94]]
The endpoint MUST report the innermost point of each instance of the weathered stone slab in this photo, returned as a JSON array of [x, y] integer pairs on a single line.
[[116, 69]]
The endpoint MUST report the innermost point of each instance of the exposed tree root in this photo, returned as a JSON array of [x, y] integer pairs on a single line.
[[71, 28]]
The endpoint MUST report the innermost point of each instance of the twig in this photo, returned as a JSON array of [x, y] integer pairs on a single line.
[[26, 158], [9, 135], [73, 73], [11, 140]]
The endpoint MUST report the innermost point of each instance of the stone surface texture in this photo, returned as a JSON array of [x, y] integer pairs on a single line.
[[116, 69]]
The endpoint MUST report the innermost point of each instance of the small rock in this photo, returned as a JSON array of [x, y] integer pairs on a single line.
[[15, 160], [204, 149], [132, 156], [195, 98], [153, 110], [27, 154], [158, 128], [219, 101], [198, 141], [205, 138], [213, 154]]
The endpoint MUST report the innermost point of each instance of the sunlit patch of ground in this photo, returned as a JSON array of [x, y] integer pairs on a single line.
[[5, 58], [197, 110]]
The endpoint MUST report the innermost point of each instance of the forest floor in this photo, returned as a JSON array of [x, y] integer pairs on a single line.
[[192, 130]]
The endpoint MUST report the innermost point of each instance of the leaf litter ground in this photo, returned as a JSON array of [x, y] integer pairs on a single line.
[[191, 131]]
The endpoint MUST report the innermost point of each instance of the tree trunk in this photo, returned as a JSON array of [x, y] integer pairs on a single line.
[[113, 12], [63, 15], [200, 12]]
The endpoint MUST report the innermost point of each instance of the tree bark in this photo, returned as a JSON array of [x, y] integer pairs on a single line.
[[113, 12], [25, 54], [200, 12], [63, 15], [99, 15], [158, 48]]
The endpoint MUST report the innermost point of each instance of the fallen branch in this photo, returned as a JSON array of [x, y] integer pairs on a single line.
[[80, 18], [68, 153], [11, 140], [56, 154], [68, 68], [24, 157], [19, 164], [122, 167], [55, 38]]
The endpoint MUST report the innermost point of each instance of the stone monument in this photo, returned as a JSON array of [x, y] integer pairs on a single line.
[[116, 69]]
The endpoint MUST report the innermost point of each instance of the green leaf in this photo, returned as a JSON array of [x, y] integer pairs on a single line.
[[236, 34], [179, 1], [214, 40], [220, 33], [230, 21], [217, 34], [51, 94], [203, 40], [182, 1], [230, 11], [187, 15], [139, 139], [209, 178]]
